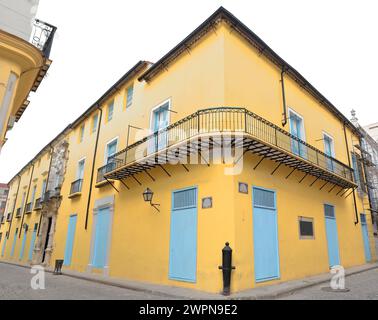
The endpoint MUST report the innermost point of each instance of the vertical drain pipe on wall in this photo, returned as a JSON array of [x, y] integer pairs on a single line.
[[93, 166], [14, 205], [284, 114], [350, 166]]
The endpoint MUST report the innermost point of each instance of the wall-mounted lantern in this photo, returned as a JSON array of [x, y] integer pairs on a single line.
[[147, 196]]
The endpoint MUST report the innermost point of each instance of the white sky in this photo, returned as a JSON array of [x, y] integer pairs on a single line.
[[333, 44]]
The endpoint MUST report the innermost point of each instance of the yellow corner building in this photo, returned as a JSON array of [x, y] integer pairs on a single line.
[[219, 141]]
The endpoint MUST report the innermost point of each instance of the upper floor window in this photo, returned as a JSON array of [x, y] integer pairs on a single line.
[[110, 111], [44, 182], [111, 150], [298, 131], [81, 133], [329, 150], [80, 170], [129, 96], [94, 123], [23, 200], [358, 172], [33, 194]]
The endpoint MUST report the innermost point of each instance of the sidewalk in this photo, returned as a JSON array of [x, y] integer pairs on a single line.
[[266, 292]]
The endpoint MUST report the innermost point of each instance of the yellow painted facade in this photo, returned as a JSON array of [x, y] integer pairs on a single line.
[[22, 68], [220, 69], [26, 188]]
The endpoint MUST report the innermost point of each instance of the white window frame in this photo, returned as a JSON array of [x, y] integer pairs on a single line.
[[77, 168], [106, 149], [169, 101], [128, 105], [325, 134], [81, 133], [111, 102], [303, 130], [95, 124]]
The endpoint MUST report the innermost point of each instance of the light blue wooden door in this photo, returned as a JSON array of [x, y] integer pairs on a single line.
[[332, 235], [23, 245], [14, 242], [70, 240], [101, 238], [265, 235], [183, 239], [3, 248], [32, 242], [365, 235]]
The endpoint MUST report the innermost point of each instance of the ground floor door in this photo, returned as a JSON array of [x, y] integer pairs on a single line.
[[101, 238], [4, 244], [332, 236], [265, 235], [23, 244], [70, 240], [183, 237], [32, 242], [45, 245], [365, 236], [14, 242]]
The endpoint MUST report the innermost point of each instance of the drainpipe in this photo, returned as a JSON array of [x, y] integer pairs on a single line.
[[47, 184], [93, 167], [14, 206], [284, 114], [26, 200], [350, 165]]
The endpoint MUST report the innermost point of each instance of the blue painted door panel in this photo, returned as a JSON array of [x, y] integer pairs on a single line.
[[265, 235], [32, 243], [365, 235], [23, 245], [4, 244], [70, 240], [101, 241], [183, 239], [14, 242], [332, 236]]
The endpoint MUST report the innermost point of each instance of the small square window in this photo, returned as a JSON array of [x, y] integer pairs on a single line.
[[306, 228], [207, 203], [243, 187]]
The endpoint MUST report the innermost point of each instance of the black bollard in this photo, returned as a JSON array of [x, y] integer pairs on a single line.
[[58, 267], [227, 268]]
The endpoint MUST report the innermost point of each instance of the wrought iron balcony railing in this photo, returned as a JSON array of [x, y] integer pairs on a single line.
[[29, 208], [76, 186], [258, 136], [38, 204], [43, 36], [18, 213]]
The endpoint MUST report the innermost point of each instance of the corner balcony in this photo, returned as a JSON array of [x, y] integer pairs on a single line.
[[224, 127]]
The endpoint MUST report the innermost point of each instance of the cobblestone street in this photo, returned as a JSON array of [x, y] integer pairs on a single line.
[[15, 283]]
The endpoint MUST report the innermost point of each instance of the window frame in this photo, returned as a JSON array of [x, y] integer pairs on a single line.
[[129, 102], [81, 133], [94, 123], [77, 169], [327, 135], [303, 127], [306, 219], [110, 103], [106, 157]]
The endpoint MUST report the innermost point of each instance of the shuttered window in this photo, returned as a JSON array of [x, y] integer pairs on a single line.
[[185, 199], [264, 198], [329, 211]]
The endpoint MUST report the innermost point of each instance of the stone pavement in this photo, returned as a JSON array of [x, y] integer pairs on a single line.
[[91, 286]]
